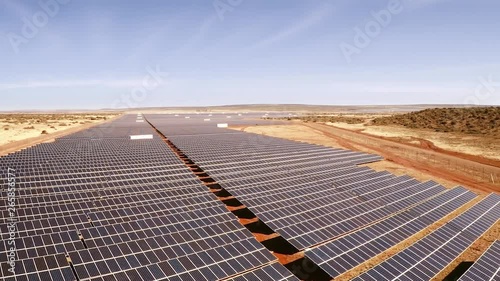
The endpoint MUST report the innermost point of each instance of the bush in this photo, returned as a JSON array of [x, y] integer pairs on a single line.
[[44, 132], [29, 128]]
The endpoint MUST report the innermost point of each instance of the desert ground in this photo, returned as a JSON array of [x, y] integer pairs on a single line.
[[482, 146], [18, 131], [400, 157]]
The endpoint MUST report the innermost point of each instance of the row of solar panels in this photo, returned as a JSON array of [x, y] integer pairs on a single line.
[[312, 195], [487, 266], [97, 205], [139, 220]]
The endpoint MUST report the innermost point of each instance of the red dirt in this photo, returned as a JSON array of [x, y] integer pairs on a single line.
[[231, 208], [426, 144], [263, 237], [286, 259], [248, 221], [381, 145]]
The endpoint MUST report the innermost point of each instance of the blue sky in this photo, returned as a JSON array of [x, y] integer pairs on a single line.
[[97, 54]]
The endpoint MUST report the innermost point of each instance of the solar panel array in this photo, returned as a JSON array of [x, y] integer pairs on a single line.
[[352, 250], [120, 209], [427, 257], [99, 205], [312, 195], [270, 272], [307, 193], [487, 268]]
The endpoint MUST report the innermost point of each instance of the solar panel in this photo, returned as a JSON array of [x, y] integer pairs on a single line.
[[271, 272], [428, 256], [343, 254], [49, 267], [487, 267], [307, 193], [120, 209], [124, 209]]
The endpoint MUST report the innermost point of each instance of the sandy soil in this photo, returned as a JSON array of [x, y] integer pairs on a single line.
[[18, 131], [472, 145], [293, 132], [400, 170]]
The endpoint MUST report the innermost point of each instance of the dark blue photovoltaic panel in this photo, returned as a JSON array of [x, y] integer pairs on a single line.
[[271, 272], [307, 193], [343, 254], [487, 267], [121, 209], [430, 255]]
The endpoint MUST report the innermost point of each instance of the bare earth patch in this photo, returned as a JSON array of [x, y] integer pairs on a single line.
[[294, 132]]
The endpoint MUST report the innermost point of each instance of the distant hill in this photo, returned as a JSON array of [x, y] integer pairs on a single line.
[[299, 108], [477, 120]]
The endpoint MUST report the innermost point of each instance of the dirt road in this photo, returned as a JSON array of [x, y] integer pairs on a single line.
[[480, 176]]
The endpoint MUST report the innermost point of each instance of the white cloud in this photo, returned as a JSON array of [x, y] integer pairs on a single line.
[[311, 19]]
